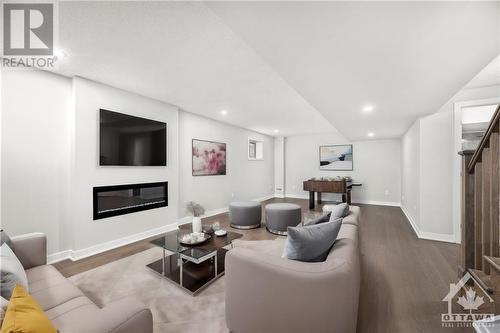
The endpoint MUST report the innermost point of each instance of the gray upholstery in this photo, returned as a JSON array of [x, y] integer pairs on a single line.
[[311, 243], [245, 214], [259, 285], [11, 272], [30, 249], [339, 210], [280, 216], [66, 306]]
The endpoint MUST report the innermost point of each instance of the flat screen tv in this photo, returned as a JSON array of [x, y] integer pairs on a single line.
[[131, 141]]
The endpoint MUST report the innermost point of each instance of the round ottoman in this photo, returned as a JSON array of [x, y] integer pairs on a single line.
[[245, 214], [280, 216]]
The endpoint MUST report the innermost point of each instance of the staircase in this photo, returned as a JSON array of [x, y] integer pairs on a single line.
[[480, 249]]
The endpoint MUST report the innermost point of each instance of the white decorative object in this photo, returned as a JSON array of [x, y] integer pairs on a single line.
[[197, 210], [220, 232], [197, 224]]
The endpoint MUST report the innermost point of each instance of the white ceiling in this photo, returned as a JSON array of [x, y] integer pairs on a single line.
[[181, 53], [489, 76], [299, 67]]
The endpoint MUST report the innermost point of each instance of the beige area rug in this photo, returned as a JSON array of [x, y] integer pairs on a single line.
[[173, 309]]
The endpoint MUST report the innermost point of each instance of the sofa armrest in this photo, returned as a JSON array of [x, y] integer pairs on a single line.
[[30, 249], [290, 296], [126, 315]]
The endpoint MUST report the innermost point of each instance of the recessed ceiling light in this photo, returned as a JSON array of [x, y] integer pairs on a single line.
[[59, 54], [223, 112], [276, 131], [368, 108], [371, 134]]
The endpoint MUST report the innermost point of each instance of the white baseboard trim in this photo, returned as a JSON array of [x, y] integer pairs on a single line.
[[267, 197], [96, 249], [99, 248], [188, 219], [365, 202], [377, 203], [427, 235], [58, 256]]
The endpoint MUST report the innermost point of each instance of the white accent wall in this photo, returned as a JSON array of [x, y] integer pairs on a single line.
[[49, 163], [35, 153], [376, 166], [86, 173], [244, 180], [410, 174], [431, 169]]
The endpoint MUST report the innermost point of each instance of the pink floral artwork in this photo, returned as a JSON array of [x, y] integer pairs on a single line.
[[209, 158]]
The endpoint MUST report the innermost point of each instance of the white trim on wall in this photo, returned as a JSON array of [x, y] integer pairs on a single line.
[[364, 202], [99, 248], [427, 235]]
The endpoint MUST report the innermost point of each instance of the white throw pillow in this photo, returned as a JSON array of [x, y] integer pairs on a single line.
[[3, 308], [11, 272]]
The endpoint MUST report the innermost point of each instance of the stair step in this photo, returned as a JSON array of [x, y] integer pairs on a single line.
[[482, 279], [494, 262]]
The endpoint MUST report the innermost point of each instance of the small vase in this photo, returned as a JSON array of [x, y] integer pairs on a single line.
[[197, 224]]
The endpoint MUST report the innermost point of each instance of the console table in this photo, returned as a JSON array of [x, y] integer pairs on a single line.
[[328, 186]]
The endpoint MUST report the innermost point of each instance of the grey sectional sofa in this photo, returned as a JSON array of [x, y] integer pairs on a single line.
[[268, 293], [66, 306]]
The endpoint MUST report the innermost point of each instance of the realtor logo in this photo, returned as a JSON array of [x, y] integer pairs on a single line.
[[28, 29], [469, 302]]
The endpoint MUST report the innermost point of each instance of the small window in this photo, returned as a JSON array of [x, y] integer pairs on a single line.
[[255, 150]]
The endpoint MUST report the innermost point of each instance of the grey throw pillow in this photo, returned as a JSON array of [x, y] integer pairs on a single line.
[[11, 272], [340, 210], [321, 219], [4, 238], [311, 243]]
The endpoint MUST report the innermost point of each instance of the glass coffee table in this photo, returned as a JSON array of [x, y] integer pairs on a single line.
[[194, 267]]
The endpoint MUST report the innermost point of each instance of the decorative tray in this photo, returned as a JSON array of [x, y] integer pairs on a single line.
[[194, 238]]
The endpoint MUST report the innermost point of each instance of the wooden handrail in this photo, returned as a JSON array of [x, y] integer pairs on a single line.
[[491, 128]]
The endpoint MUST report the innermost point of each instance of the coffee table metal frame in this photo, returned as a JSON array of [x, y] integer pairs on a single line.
[[182, 258]]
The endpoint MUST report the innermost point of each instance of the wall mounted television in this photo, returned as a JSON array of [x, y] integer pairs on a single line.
[[126, 140]]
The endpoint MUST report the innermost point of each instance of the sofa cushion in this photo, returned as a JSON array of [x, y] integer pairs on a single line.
[[43, 277], [56, 293], [4, 238], [323, 218], [11, 272], [268, 247], [25, 315], [353, 216], [311, 243], [339, 210], [71, 305]]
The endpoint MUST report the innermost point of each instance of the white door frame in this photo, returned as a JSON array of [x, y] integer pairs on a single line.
[[457, 160]]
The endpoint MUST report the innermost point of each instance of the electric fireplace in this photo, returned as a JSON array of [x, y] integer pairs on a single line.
[[124, 199]]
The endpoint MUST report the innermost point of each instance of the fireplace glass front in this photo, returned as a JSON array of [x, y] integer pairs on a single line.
[[124, 199]]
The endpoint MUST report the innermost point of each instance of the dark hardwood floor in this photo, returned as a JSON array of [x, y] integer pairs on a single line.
[[403, 278]]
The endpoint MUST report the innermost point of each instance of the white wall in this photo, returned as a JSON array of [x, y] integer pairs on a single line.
[[89, 97], [410, 174], [245, 179], [279, 166], [436, 192], [376, 166], [432, 191], [35, 153]]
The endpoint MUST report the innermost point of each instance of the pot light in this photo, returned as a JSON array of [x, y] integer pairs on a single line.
[[59, 54], [276, 131], [371, 134], [223, 112], [368, 108]]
